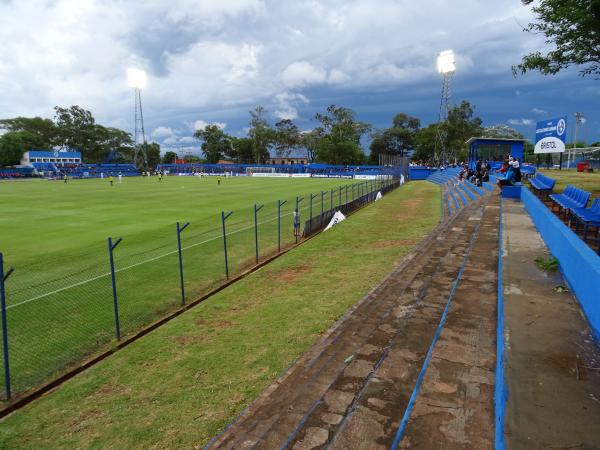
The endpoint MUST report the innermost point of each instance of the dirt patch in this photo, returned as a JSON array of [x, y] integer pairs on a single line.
[[393, 243], [289, 275], [409, 208], [200, 322], [222, 324]]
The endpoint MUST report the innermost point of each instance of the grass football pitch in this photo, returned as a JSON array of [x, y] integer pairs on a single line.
[[60, 305], [181, 384]]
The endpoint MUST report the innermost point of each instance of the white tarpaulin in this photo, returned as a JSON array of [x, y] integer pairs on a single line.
[[337, 217], [379, 196]]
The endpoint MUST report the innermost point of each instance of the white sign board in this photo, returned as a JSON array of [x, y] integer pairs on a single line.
[[550, 136]]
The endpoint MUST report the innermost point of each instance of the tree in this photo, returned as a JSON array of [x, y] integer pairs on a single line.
[[425, 143], [215, 143], [169, 157], [241, 150], [44, 129], [340, 143], [261, 134], [501, 131], [571, 27], [395, 140], [14, 143], [460, 126], [310, 141], [287, 137], [153, 154]]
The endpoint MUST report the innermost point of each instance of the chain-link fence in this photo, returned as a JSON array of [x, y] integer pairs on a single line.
[[53, 320]]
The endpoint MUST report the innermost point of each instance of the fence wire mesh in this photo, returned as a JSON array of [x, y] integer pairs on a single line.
[[59, 315]]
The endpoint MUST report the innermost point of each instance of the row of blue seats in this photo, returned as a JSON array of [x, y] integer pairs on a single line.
[[542, 183]]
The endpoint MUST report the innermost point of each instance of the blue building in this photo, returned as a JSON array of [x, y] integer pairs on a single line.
[[59, 158], [493, 149]]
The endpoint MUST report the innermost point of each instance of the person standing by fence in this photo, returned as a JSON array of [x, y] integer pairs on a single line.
[[296, 223]]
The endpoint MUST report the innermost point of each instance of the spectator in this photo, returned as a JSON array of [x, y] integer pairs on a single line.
[[509, 177]]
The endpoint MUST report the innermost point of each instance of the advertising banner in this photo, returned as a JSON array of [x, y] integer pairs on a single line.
[[550, 136]]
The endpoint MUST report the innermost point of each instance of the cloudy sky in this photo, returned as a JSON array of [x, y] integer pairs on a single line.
[[210, 61]]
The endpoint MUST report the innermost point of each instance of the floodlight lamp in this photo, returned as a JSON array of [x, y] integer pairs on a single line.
[[136, 78], [446, 63]]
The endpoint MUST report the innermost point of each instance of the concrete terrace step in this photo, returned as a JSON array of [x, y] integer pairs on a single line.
[[351, 390]]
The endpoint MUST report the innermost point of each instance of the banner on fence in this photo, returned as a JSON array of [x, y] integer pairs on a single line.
[[337, 217], [270, 174], [366, 177]]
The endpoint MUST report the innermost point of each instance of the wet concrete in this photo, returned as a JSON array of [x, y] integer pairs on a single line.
[[552, 367], [351, 389], [454, 408]]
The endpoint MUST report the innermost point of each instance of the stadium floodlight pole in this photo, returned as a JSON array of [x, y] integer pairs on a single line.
[[3, 278], [137, 79], [578, 121], [298, 201], [256, 210], [279, 205], [224, 217], [111, 248], [179, 230], [446, 66]]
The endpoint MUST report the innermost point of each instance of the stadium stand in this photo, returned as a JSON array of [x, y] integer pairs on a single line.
[[456, 194], [17, 172]]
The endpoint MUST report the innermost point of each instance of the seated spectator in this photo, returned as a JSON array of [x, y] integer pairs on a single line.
[[517, 169], [509, 177]]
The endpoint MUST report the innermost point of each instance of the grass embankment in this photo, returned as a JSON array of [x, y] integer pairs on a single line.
[[54, 234], [587, 181], [181, 384]]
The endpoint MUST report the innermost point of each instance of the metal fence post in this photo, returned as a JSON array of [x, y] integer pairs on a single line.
[[279, 205], [298, 200], [353, 184], [223, 219], [322, 201], [312, 197], [111, 248], [340, 197], [346, 194], [3, 278], [331, 200], [179, 230], [256, 210]]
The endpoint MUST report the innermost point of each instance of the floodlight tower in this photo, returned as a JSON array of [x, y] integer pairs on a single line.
[[446, 66], [578, 121], [137, 80]]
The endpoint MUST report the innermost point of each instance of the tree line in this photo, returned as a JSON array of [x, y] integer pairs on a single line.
[[71, 128], [339, 138]]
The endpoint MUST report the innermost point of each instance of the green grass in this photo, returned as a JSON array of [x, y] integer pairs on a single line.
[[60, 306], [181, 384], [587, 181]]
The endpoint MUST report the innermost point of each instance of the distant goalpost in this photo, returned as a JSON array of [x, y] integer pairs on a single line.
[[252, 170]]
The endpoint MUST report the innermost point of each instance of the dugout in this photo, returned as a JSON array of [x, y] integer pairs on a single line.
[[493, 149]]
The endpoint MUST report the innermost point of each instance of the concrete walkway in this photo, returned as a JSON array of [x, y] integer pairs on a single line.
[[352, 389], [552, 367]]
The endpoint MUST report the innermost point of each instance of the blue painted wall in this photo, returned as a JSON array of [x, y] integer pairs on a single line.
[[419, 173], [578, 262]]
